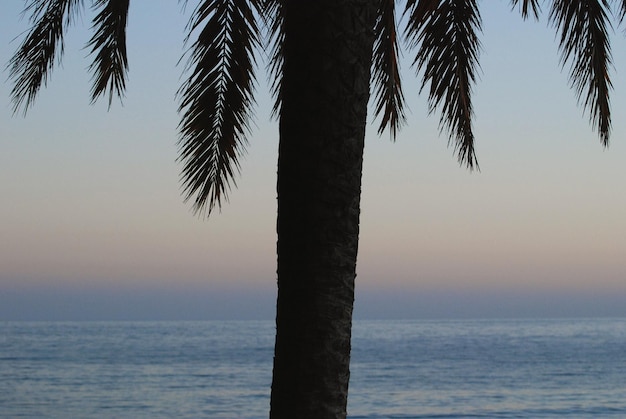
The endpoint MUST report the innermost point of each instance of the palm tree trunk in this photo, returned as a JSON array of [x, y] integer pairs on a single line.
[[325, 91]]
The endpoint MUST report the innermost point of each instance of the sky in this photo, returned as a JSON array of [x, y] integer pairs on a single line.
[[93, 225]]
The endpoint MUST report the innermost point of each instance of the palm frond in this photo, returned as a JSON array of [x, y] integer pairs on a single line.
[[622, 11], [584, 42], [273, 13], [385, 70], [526, 6], [108, 44], [34, 60], [445, 32], [216, 98], [421, 9]]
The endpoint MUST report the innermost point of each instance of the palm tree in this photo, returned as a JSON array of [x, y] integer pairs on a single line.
[[327, 55]]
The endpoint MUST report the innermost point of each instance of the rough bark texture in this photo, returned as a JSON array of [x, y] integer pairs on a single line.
[[325, 91]]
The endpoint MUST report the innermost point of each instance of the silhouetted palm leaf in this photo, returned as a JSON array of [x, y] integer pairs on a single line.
[[622, 11], [216, 98], [108, 43], [274, 18], [584, 42], [526, 6], [33, 62], [385, 70], [445, 32]]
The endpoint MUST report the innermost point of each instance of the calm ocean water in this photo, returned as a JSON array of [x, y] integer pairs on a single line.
[[400, 369]]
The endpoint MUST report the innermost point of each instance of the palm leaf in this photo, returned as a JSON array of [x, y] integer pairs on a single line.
[[445, 32], [584, 42], [108, 44], [216, 98], [385, 70], [273, 13], [526, 5], [622, 11], [31, 65]]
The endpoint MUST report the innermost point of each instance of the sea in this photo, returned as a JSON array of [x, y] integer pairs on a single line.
[[539, 368]]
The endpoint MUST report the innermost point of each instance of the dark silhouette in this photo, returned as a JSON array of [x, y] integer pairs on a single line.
[[327, 54]]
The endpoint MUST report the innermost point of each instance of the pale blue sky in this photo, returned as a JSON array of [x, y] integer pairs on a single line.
[[93, 225]]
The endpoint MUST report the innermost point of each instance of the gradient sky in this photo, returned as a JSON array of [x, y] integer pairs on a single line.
[[92, 223]]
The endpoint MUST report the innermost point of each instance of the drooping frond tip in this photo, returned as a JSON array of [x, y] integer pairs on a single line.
[[31, 65], [622, 11], [216, 98], [526, 6], [584, 42], [108, 45], [274, 19], [445, 35], [386, 72]]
